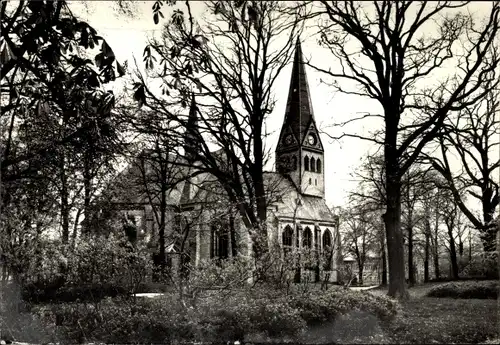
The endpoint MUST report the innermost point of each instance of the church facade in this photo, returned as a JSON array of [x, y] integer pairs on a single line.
[[298, 217]]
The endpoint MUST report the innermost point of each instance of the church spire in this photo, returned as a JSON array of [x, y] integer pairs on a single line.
[[191, 141], [191, 147], [299, 111], [299, 152]]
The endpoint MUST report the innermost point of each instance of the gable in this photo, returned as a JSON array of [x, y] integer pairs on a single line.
[[312, 130], [287, 139], [292, 205]]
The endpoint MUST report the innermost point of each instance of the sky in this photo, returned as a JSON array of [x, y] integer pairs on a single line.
[[127, 35]]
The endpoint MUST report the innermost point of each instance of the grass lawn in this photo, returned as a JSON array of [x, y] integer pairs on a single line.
[[442, 320]]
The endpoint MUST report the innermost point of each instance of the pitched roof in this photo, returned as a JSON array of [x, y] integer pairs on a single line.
[[294, 205], [129, 186]]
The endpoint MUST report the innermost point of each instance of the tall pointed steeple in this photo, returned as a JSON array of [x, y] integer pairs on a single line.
[[191, 140], [191, 147], [299, 111], [299, 152]]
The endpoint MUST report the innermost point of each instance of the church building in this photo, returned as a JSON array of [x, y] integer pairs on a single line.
[[298, 218]]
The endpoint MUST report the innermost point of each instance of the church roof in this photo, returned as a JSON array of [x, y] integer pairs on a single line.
[[308, 208], [299, 111], [138, 182], [127, 188]]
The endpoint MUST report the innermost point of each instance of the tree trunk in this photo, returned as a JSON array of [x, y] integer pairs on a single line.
[[384, 267], [64, 201], [75, 228], [360, 273], [426, 252], [384, 259], [234, 250], [436, 250], [488, 237], [453, 254], [392, 219], [260, 193], [161, 228], [436, 263], [411, 273], [298, 273], [489, 233], [498, 247], [470, 246], [87, 186]]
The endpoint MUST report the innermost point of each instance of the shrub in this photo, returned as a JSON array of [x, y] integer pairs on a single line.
[[484, 265], [94, 269], [230, 315], [237, 316], [317, 308], [466, 290], [232, 272], [37, 293], [118, 321]]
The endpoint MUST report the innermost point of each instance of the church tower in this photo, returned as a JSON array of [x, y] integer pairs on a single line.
[[299, 152], [191, 148]]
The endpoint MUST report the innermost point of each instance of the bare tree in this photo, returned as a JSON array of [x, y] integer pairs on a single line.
[[360, 237], [372, 190], [157, 178], [229, 64], [430, 213], [388, 51], [450, 213], [472, 135], [416, 183]]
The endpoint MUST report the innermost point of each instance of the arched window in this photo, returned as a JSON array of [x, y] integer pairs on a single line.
[[318, 165], [288, 236], [306, 163], [327, 239], [312, 164], [307, 238], [317, 237], [327, 250], [219, 247]]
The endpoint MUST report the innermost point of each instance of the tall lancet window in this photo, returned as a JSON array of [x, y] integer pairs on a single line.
[[306, 163], [312, 164], [287, 238], [307, 241], [219, 247], [318, 165], [327, 250]]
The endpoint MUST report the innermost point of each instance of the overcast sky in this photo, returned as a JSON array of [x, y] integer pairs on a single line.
[[128, 36]]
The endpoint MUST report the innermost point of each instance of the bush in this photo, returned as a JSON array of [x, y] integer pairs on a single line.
[[38, 293], [484, 265], [237, 316], [118, 321], [466, 290], [223, 316], [165, 320], [94, 269], [317, 308]]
